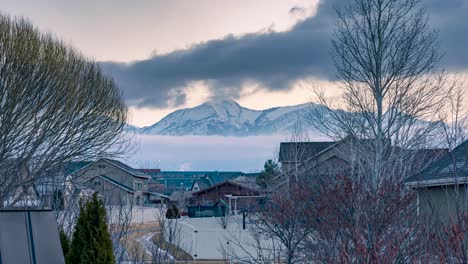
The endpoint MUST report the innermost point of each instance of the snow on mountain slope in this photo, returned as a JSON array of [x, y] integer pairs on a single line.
[[227, 118]]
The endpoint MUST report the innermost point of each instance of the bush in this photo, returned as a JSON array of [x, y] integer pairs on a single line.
[[172, 212], [91, 240], [65, 242]]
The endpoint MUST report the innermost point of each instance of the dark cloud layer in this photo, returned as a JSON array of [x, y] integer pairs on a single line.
[[272, 59]]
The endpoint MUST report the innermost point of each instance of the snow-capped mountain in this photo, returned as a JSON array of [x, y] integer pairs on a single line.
[[226, 117]]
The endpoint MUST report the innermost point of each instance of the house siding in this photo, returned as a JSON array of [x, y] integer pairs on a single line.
[[443, 201], [217, 196], [112, 193]]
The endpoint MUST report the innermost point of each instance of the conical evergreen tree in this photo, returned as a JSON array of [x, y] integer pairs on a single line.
[[91, 241], [65, 243]]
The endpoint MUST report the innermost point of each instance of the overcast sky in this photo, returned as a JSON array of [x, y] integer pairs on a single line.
[[169, 54]]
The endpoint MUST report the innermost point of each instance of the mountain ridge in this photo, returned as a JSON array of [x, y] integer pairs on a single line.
[[228, 118]]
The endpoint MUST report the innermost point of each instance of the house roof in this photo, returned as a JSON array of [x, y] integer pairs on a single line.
[[149, 171], [29, 236], [449, 169], [202, 183], [222, 176], [182, 180], [157, 194], [297, 151], [114, 182], [225, 183], [190, 174], [71, 167], [128, 169]]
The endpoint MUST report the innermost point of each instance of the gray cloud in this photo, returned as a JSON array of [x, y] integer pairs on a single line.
[[273, 59]]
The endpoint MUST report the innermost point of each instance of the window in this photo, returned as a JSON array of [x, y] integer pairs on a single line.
[[138, 185], [97, 183], [101, 166]]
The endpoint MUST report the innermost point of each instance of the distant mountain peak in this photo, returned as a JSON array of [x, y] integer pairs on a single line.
[[221, 101], [225, 117]]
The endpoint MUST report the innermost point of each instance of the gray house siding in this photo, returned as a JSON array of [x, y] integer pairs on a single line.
[[112, 182], [111, 193], [442, 186], [443, 201]]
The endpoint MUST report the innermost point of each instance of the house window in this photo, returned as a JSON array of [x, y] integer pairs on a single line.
[[138, 185], [97, 183], [101, 166]]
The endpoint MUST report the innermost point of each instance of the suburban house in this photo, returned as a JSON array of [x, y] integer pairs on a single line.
[[293, 154], [168, 182], [442, 187], [51, 189], [228, 197], [304, 159], [115, 181], [200, 184], [214, 178]]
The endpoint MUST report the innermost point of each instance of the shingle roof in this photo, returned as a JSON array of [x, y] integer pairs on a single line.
[[202, 183], [71, 167], [149, 171], [296, 151], [222, 176], [451, 165], [181, 180], [118, 184], [249, 188], [127, 168]]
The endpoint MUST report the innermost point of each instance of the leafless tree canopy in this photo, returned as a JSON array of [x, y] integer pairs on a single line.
[[387, 58], [55, 106], [393, 97]]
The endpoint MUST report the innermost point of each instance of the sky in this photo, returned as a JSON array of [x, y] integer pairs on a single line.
[[171, 54]]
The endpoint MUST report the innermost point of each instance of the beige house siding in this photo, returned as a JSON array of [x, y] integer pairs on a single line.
[[113, 193]]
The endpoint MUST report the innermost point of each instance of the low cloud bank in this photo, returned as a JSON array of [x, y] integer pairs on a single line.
[[246, 154]]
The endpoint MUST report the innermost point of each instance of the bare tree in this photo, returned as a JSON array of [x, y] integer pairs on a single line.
[[277, 229], [447, 217], [55, 106], [386, 57], [162, 244]]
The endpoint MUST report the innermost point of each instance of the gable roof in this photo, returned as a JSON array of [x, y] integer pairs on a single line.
[[127, 168], [71, 167], [225, 183], [222, 176], [149, 171], [298, 151], [114, 182], [451, 168], [117, 164], [202, 183], [157, 194]]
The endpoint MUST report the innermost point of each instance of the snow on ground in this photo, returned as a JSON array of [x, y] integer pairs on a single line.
[[151, 248]]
